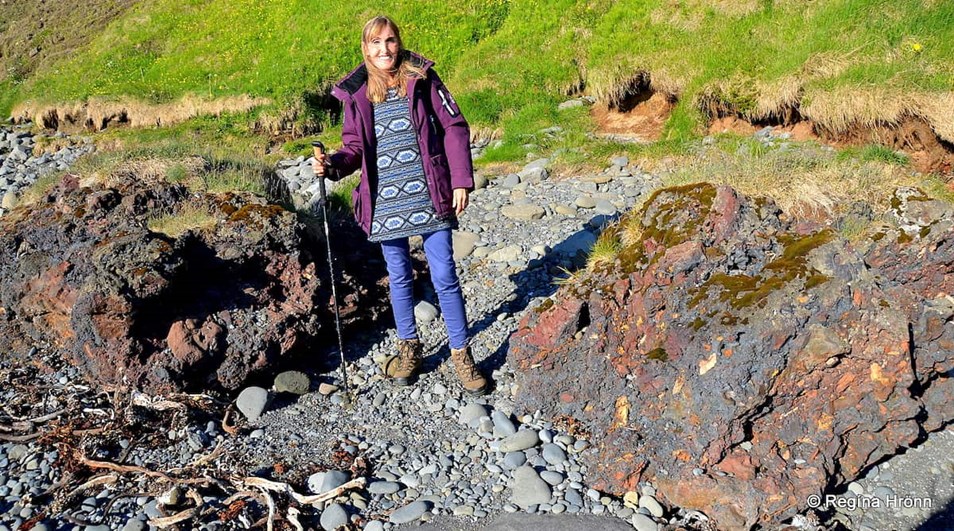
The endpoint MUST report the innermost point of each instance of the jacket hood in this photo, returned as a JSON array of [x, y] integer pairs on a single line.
[[359, 76]]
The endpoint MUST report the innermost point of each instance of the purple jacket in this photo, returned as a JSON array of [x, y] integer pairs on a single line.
[[442, 133]]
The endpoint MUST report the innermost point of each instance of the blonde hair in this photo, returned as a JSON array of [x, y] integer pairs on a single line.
[[378, 80]]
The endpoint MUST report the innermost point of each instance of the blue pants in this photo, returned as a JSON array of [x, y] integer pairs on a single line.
[[439, 249]]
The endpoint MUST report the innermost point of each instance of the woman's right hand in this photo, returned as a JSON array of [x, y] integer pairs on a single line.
[[321, 165]]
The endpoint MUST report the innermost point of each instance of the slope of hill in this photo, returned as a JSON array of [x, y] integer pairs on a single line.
[[38, 34], [838, 62]]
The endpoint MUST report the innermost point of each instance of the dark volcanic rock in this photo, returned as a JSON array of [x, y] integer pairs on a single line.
[[82, 273], [781, 362]]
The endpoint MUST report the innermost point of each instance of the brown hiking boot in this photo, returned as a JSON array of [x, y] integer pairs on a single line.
[[410, 356], [474, 382]]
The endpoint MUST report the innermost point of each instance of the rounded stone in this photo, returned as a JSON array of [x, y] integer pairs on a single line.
[[409, 513], [333, 517], [551, 477], [529, 489], [294, 382], [384, 487], [425, 312], [585, 201], [252, 402], [503, 426], [644, 523], [521, 440], [471, 412], [553, 454], [514, 460], [653, 506]]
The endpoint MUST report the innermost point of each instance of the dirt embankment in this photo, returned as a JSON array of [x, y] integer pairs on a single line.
[[913, 136], [97, 114], [638, 112]]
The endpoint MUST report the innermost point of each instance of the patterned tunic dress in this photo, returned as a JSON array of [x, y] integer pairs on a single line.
[[403, 205]]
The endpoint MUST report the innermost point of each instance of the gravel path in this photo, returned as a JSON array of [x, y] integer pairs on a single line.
[[20, 167], [430, 453]]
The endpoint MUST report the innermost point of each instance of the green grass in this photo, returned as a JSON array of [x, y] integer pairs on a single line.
[[510, 62], [189, 217], [874, 153], [805, 180]]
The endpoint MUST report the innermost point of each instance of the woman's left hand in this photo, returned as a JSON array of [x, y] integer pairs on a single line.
[[460, 200]]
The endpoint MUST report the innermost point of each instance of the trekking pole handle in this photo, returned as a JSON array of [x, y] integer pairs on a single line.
[[319, 149]]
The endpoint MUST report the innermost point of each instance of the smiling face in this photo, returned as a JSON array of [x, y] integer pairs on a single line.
[[381, 49]]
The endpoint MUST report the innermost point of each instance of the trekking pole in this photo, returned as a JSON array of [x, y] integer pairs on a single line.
[[319, 149]]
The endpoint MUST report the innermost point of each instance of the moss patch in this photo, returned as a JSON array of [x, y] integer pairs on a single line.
[[658, 354], [745, 291]]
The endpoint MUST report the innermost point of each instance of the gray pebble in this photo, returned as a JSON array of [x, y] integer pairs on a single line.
[[425, 312], [653, 506], [384, 487], [514, 460], [528, 488], [333, 479], [573, 497], [471, 413], [252, 402], [521, 440], [333, 517], [503, 426], [409, 513], [546, 436], [553, 454], [644, 523]]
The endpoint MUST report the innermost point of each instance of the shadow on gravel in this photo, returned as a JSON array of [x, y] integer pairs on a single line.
[[539, 278], [564, 259], [942, 520], [362, 295]]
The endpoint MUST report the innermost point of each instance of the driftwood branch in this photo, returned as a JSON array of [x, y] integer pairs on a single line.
[[203, 460], [145, 471], [105, 479], [231, 429], [271, 510], [28, 424], [293, 518], [182, 516], [20, 438], [277, 486], [123, 468]]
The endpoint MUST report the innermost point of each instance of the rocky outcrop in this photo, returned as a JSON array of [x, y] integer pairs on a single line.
[[83, 274], [742, 362]]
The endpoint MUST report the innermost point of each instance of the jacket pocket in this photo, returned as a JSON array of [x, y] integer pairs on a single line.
[[442, 171], [442, 183], [357, 205]]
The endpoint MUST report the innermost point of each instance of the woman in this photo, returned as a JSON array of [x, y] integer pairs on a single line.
[[406, 133]]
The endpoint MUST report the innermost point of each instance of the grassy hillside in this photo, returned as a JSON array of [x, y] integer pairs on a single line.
[[839, 63], [38, 34], [835, 61]]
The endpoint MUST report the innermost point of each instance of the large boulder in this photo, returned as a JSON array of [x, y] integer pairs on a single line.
[[134, 308], [775, 358]]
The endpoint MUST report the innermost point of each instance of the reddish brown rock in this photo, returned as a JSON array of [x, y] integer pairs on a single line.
[[723, 325], [133, 308]]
